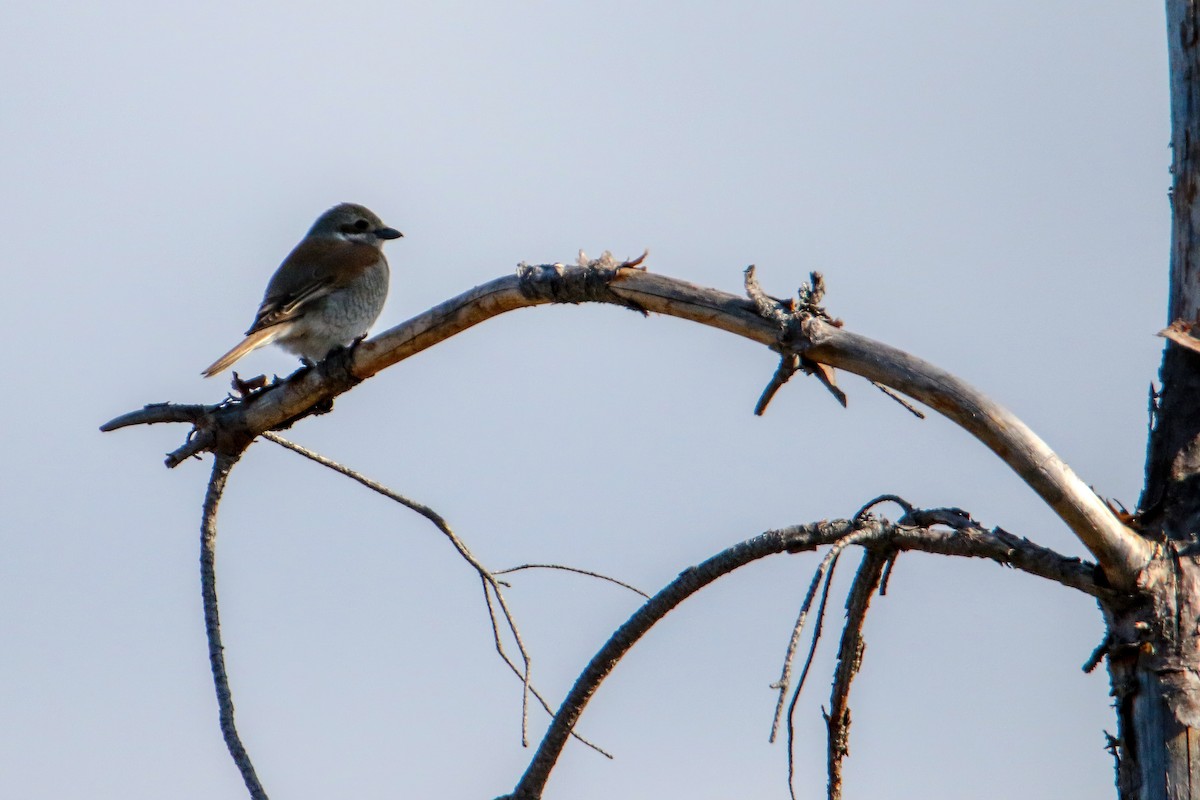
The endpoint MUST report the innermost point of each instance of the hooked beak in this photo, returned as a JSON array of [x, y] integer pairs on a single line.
[[388, 233]]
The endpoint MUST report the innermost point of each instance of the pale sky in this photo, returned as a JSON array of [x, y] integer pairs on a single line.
[[983, 184]]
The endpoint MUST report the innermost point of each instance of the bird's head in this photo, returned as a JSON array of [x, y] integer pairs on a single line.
[[354, 223]]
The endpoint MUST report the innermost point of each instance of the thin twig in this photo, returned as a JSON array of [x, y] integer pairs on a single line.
[[690, 581], [198, 442], [425, 511], [818, 627], [492, 585], [789, 363], [527, 664], [789, 656], [222, 464], [887, 572], [532, 689], [487, 596], [877, 534], [916, 412], [884, 498], [850, 654], [489, 587], [1098, 654], [438, 521], [589, 573]]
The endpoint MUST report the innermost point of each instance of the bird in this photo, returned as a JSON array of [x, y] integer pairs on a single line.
[[328, 291]]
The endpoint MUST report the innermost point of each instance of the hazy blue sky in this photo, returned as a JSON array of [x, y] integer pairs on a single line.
[[983, 184]]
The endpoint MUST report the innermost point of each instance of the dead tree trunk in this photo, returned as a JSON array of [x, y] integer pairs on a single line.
[[1154, 651]]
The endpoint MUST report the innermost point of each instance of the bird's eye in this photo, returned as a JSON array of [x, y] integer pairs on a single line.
[[361, 225]]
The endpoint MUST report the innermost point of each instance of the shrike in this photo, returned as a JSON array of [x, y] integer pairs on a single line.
[[326, 293]]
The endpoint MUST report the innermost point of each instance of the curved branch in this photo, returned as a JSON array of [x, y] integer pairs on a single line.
[[212, 623], [1119, 551], [869, 532]]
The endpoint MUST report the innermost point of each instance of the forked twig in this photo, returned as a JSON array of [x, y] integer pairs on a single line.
[[487, 596], [887, 569], [808, 661], [222, 464], [440, 523], [690, 581], [490, 582], [789, 657]]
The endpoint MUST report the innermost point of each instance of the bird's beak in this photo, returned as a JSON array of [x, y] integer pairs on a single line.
[[388, 233]]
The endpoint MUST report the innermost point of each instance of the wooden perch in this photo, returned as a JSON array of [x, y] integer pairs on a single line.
[[231, 426]]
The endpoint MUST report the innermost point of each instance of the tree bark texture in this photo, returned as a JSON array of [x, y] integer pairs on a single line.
[[1154, 647], [1170, 502]]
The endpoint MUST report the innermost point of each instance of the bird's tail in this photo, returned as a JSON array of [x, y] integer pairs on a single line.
[[251, 342]]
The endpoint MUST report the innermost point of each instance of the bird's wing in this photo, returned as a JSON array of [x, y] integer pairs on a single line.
[[312, 270]]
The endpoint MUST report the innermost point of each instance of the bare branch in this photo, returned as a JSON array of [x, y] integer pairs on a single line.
[[222, 464], [425, 511], [689, 582], [1098, 654], [527, 663], [788, 317], [491, 585], [808, 661], [576, 570], [885, 498], [850, 654], [499, 645], [869, 533], [200, 441], [440, 523], [889, 560], [159, 412], [826, 565], [789, 363], [1120, 551], [1004, 548], [907, 405], [887, 572]]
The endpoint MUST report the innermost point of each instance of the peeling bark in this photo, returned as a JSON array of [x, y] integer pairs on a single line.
[[1153, 655], [1154, 646]]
